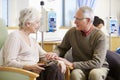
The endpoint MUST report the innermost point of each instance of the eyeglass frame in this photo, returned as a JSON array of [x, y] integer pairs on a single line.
[[79, 18]]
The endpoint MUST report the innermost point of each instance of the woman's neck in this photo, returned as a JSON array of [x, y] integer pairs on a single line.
[[24, 32], [25, 36]]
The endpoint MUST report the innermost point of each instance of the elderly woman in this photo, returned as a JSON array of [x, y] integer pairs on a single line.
[[22, 51]]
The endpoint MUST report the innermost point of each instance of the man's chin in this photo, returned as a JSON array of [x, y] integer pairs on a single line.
[[77, 28]]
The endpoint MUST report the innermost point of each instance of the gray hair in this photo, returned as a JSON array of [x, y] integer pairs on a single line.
[[28, 15], [87, 12]]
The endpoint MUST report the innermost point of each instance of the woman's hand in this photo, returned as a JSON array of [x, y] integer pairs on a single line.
[[51, 56], [34, 68]]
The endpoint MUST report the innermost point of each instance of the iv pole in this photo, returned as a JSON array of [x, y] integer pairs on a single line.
[[109, 24], [42, 32]]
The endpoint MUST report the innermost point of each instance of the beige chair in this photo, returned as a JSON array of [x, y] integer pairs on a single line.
[[67, 73], [114, 65], [68, 56], [10, 73]]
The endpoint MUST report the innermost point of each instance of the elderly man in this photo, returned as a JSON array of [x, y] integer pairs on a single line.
[[88, 48]]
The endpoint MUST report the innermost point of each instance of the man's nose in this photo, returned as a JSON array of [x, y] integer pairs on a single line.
[[75, 21]]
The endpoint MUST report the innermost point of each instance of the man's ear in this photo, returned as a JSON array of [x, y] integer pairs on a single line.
[[88, 20]]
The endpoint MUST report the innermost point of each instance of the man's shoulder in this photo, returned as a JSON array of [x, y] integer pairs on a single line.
[[98, 32], [72, 29]]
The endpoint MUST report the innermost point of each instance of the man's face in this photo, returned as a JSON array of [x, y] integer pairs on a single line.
[[81, 22]]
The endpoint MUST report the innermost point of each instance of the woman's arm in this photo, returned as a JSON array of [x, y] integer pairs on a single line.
[[11, 51]]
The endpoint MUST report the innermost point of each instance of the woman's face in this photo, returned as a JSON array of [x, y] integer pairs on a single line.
[[34, 26], [100, 26]]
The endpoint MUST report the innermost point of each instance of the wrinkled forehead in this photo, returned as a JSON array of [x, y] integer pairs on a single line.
[[79, 14]]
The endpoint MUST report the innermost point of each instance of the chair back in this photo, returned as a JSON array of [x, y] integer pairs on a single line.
[[3, 36], [10, 73], [68, 55]]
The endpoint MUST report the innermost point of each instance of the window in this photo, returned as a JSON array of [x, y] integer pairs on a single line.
[[5, 11], [69, 10], [70, 7]]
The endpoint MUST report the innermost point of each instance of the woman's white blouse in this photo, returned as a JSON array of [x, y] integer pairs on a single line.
[[17, 53]]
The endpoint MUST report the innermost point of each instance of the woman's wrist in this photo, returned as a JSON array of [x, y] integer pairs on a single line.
[[26, 67]]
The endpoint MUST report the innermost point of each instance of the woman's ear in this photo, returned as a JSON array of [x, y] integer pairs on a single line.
[[27, 24]]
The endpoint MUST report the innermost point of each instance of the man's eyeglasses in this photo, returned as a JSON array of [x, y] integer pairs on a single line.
[[79, 18]]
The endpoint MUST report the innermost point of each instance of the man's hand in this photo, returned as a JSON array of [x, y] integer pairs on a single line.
[[62, 66], [68, 63]]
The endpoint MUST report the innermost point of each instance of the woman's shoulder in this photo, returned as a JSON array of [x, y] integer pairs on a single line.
[[14, 34]]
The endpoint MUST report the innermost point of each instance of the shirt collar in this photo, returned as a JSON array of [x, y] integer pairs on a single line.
[[87, 32]]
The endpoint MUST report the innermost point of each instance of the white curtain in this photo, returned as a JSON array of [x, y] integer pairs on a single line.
[[89, 3]]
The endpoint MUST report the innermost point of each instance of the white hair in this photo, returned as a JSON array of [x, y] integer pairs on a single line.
[[87, 12], [28, 15]]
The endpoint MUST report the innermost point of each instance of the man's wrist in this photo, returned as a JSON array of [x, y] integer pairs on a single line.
[[72, 65]]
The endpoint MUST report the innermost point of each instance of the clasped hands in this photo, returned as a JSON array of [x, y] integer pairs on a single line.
[[62, 62], [54, 56], [37, 68]]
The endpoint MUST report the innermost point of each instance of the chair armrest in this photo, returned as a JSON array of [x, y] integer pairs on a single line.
[[67, 73], [14, 73]]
